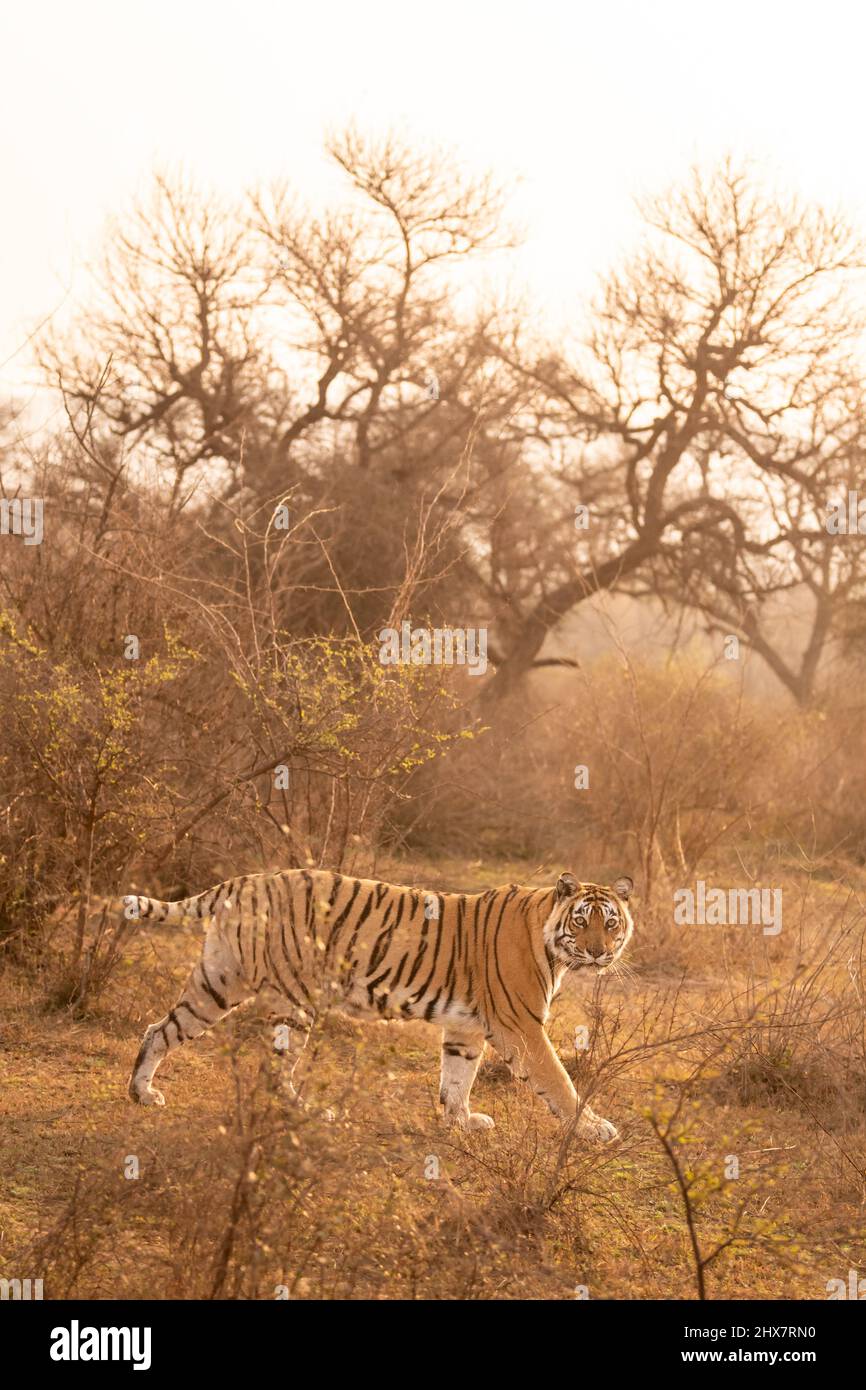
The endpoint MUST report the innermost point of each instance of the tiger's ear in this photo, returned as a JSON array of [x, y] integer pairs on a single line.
[[567, 886], [623, 887]]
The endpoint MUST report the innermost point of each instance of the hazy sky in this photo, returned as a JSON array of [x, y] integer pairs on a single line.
[[585, 104]]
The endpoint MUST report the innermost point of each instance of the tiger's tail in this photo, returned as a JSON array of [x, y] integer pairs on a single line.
[[140, 909]]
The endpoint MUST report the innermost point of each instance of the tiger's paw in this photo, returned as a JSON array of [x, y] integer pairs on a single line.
[[465, 1119], [596, 1128], [479, 1121], [308, 1107], [148, 1095]]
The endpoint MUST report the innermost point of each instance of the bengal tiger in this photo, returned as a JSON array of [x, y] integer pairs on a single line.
[[484, 966]]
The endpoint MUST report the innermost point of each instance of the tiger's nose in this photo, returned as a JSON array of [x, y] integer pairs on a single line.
[[596, 951]]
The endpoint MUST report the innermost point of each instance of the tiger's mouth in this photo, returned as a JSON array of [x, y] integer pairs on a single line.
[[599, 966]]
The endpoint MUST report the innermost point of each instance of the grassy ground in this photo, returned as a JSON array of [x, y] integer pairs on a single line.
[[732, 1063]]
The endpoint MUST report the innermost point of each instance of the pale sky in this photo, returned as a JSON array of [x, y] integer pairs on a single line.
[[586, 105]]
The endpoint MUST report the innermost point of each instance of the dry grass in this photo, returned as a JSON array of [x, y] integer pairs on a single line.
[[725, 1044]]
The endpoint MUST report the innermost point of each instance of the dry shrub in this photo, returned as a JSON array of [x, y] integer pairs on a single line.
[[789, 1030], [167, 728], [678, 761], [684, 771]]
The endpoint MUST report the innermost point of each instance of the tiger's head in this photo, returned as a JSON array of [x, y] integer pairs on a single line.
[[590, 925]]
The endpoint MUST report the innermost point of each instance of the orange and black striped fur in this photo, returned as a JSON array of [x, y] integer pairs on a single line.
[[483, 966]]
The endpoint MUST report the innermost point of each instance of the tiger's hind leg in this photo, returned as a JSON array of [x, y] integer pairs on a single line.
[[496, 1069], [290, 1029], [289, 1034], [213, 989], [461, 1054], [290, 1040]]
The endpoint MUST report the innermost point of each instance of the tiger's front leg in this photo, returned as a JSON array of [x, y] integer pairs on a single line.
[[461, 1054], [534, 1058]]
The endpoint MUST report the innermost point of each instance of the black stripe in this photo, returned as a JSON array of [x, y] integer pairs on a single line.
[[423, 989], [383, 941], [309, 915], [496, 931], [341, 920], [528, 1010], [422, 951], [374, 900], [244, 884], [184, 1004], [428, 1012], [211, 991], [276, 978], [396, 980], [290, 914], [294, 971], [207, 911]]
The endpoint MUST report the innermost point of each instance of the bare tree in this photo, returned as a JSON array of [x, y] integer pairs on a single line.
[[168, 355], [336, 360], [789, 596], [718, 368]]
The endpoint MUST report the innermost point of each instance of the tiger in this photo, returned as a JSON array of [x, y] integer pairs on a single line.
[[483, 966]]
